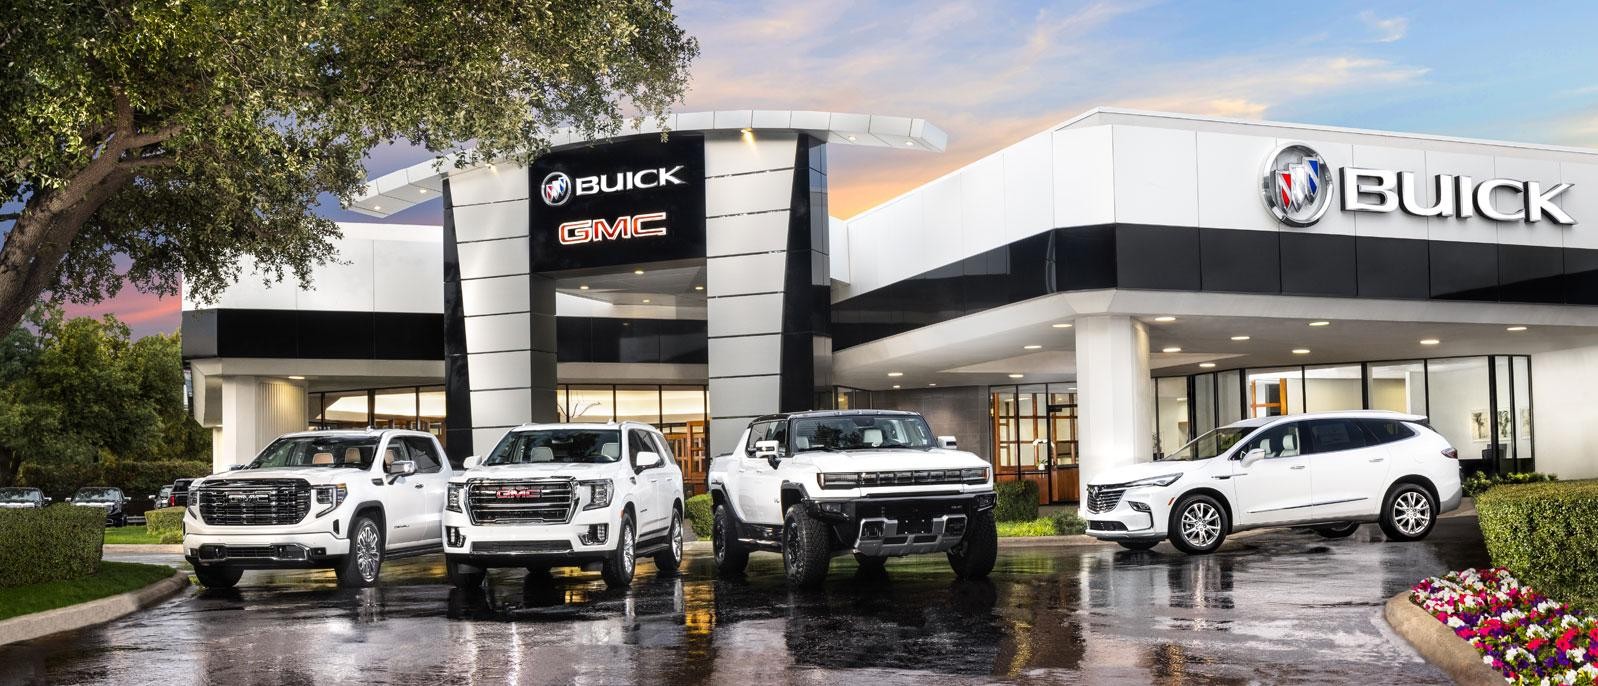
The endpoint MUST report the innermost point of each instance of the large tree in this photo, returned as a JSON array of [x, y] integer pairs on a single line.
[[186, 134]]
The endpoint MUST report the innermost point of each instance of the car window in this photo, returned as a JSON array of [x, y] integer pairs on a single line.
[[395, 452], [664, 448], [1334, 435], [638, 441], [757, 433], [1386, 430], [426, 456], [1281, 440]]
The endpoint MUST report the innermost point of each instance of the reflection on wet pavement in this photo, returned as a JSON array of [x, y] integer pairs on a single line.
[[1276, 607]]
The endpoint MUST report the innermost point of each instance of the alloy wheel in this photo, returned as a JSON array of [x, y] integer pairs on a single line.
[[676, 537], [627, 549], [367, 556], [1412, 512], [1201, 524]]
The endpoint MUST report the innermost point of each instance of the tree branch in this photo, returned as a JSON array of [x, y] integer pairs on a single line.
[[159, 135]]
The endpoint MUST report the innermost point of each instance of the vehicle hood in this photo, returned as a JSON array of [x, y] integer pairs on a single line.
[[890, 460], [578, 470], [1144, 470], [314, 475]]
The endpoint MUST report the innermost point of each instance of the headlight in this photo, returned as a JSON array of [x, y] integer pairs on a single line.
[[598, 493], [838, 480], [1166, 480], [331, 496], [975, 475], [453, 501]]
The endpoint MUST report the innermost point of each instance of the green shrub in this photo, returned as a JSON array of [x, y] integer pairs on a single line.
[[165, 523], [1018, 501], [1478, 483], [699, 514], [136, 479], [1042, 526], [1067, 523], [50, 544], [1547, 535]]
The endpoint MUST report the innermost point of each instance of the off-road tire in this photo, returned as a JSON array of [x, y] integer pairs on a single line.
[[1198, 525], [1138, 544], [1413, 500], [619, 565], [1343, 530], [974, 555], [731, 555], [218, 577], [464, 576], [670, 557], [806, 548], [358, 568]]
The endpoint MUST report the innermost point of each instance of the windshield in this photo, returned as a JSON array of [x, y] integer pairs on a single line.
[[18, 495], [861, 432], [587, 446], [97, 494], [316, 451], [1210, 445]]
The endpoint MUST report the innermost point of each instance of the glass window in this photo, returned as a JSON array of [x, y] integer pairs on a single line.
[[591, 404], [430, 410], [317, 451], [1203, 403], [663, 447], [1334, 435], [394, 408], [1275, 392], [1398, 386], [394, 452], [638, 404], [345, 410], [757, 433], [425, 455], [861, 432], [1278, 441], [1230, 408], [584, 446], [1333, 389], [1459, 407], [638, 441], [682, 404], [1209, 445], [1170, 414], [1386, 430], [1520, 366]]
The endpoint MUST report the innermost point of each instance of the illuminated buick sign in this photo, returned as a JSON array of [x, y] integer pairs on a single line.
[[1297, 185], [557, 189]]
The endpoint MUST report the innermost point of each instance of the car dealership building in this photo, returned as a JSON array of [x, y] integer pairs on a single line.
[[1095, 294]]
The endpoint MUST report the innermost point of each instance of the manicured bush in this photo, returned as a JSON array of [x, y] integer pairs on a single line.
[[165, 524], [1478, 483], [1018, 501], [1547, 534], [699, 514], [1067, 523], [49, 544]]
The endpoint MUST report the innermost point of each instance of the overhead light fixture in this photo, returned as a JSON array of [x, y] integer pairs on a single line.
[[1206, 365], [646, 301], [297, 378], [1429, 341], [1166, 318], [1031, 347], [421, 191], [1062, 326], [1516, 328], [1320, 323], [583, 287], [1017, 376], [1182, 399], [931, 384], [896, 385], [1240, 338], [895, 374], [1300, 351], [746, 130], [1071, 389], [699, 288], [377, 207], [851, 139], [639, 272], [1172, 349], [909, 142]]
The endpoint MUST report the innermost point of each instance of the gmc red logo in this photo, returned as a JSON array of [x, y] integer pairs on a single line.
[[597, 230], [514, 493]]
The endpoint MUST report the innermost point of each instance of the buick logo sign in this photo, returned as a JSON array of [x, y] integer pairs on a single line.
[[557, 189], [1296, 185]]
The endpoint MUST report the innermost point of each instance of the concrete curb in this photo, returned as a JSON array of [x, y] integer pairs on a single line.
[[142, 548], [1432, 639], [71, 617]]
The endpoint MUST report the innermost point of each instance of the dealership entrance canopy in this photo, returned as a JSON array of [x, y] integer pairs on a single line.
[[1095, 294]]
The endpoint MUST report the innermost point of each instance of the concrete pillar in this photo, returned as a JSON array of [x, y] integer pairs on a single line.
[[255, 410], [1115, 394]]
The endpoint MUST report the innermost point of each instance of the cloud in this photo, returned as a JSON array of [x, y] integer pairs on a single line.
[[144, 313], [1386, 30]]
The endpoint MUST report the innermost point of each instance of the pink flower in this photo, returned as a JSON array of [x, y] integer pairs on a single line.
[[1536, 643], [1564, 639]]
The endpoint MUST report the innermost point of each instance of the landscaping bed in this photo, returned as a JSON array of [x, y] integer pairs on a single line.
[[1526, 636], [134, 535], [1547, 533], [112, 579]]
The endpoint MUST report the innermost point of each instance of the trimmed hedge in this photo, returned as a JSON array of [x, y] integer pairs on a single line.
[[1547, 534], [1067, 523], [55, 543], [136, 479], [1478, 483], [165, 523], [1018, 501], [699, 514]]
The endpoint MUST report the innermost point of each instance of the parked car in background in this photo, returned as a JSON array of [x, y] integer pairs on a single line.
[[177, 494], [162, 497], [106, 497], [342, 499], [1327, 471], [21, 498], [561, 495]]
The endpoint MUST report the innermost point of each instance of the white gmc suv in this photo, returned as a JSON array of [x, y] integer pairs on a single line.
[[341, 499], [560, 495], [875, 483], [1326, 471]]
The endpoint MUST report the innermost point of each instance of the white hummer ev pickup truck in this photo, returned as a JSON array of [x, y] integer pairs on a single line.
[[874, 483], [562, 495], [341, 499]]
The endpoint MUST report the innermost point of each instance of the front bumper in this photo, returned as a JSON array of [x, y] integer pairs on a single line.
[[1141, 513], [900, 525], [264, 550], [589, 537]]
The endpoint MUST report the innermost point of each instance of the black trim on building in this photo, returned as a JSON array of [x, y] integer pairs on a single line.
[[641, 341], [457, 380], [313, 334], [805, 382], [1179, 258]]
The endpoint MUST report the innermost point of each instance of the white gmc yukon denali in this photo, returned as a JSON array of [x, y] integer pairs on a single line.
[[562, 495], [875, 483], [341, 499]]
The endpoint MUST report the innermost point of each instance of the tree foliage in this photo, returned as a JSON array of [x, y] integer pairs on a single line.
[[80, 391], [188, 134]]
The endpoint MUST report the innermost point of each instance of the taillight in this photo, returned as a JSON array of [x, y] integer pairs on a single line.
[[171, 501], [1450, 453]]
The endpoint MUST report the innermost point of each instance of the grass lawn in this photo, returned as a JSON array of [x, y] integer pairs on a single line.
[[1042, 526], [130, 534], [113, 578]]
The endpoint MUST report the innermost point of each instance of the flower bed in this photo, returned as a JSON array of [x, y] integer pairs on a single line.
[[1519, 632]]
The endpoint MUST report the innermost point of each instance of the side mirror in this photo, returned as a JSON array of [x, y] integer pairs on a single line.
[[237, 467], [1253, 456], [946, 442], [766, 450], [645, 459], [471, 462], [68, 500], [152, 498], [402, 468]]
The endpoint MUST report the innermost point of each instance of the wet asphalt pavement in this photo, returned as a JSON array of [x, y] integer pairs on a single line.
[[1275, 607]]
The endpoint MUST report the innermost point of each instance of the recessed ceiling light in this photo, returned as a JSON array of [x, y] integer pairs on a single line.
[[1516, 328], [421, 191], [1182, 399], [377, 207], [931, 384], [1320, 323], [1062, 326], [639, 272], [895, 374], [1071, 389], [1429, 341], [583, 287], [1031, 347], [297, 378], [1240, 338], [699, 288], [1166, 318], [1016, 376], [851, 139], [1206, 365], [909, 142], [1300, 351], [646, 301], [746, 130], [896, 385], [1172, 349]]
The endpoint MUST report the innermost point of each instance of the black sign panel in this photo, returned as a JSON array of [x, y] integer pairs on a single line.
[[611, 204]]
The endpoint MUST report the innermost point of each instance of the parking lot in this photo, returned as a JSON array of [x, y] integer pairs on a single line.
[[1276, 606]]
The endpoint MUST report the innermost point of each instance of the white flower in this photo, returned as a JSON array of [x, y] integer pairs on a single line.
[[1575, 654], [1488, 660], [1455, 622], [1587, 669]]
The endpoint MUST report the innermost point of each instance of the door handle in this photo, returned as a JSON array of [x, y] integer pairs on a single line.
[[1378, 459], [1297, 466], [632, 480], [420, 485]]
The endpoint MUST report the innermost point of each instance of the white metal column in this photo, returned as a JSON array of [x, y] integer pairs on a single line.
[[1115, 394]]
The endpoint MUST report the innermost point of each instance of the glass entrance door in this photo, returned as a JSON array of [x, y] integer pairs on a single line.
[[1064, 482], [1034, 439]]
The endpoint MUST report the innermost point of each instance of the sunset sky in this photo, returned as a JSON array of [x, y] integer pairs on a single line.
[[991, 73]]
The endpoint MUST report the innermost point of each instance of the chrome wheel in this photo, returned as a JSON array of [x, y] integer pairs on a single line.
[[676, 537], [627, 549], [368, 557], [1412, 512], [1201, 524]]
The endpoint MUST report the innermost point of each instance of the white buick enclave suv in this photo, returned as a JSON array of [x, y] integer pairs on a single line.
[[1326, 471]]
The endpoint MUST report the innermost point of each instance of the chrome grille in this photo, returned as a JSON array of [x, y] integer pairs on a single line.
[[521, 547], [254, 502], [521, 501], [1104, 498], [917, 477]]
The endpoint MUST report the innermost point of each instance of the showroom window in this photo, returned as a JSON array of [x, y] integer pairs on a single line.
[[1034, 438], [419, 408], [678, 411]]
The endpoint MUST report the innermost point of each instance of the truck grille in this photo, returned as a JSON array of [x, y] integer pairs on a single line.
[[918, 477], [1104, 498], [521, 547], [254, 502], [521, 501]]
